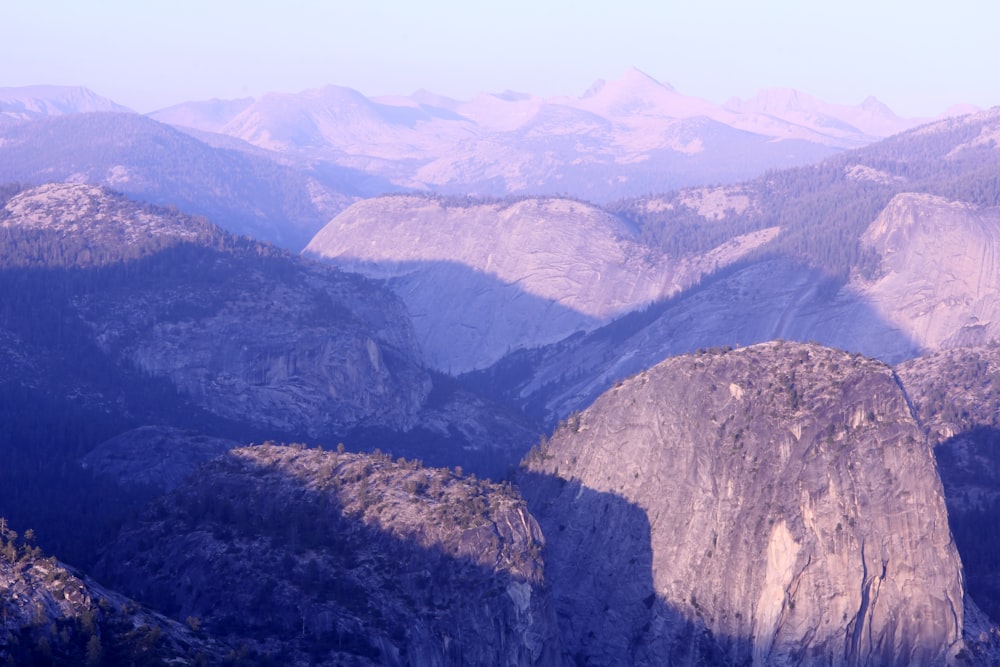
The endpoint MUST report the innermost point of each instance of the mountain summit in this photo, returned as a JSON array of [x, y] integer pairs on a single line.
[[29, 102]]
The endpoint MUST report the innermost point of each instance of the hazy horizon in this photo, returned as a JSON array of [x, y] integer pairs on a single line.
[[917, 60]]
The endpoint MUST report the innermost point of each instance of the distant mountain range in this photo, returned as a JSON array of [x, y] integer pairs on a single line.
[[723, 487], [623, 137], [33, 102], [312, 153]]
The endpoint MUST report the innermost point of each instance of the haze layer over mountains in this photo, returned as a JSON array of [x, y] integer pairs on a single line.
[[731, 372], [280, 166]]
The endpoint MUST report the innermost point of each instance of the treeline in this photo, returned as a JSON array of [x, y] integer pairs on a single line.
[[823, 209]]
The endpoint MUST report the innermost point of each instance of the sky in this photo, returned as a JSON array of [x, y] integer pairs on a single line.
[[918, 57]]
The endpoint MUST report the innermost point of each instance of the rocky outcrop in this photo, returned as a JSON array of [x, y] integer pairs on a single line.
[[936, 286], [480, 279], [281, 345], [349, 559], [771, 505], [766, 300], [51, 615]]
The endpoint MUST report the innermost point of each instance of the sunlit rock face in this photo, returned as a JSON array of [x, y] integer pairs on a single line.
[[483, 278], [939, 277], [776, 504]]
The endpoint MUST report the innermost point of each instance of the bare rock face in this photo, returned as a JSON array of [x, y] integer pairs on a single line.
[[86, 226], [936, 286], [345, 559], [940, 280], [767, 300], [481, 278], [772, 505], [296, 350]]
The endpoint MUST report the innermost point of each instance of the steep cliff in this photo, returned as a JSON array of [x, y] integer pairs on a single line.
[[771, 505], [956, 395], [116, 314], [344, 557], [934, 284]]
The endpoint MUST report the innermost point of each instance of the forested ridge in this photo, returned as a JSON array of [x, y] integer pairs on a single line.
[[822, 209]]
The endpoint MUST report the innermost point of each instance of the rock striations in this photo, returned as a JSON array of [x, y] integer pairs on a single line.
[[771, 505]]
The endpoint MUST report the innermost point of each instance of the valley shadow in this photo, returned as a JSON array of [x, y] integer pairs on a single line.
[[599, 565], [296, 552], [969, 465], [749, 302], [63, 392], [467, 319]]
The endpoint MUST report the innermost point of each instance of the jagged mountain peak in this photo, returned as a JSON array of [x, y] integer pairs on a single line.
[[872, 103], [635, 92], [632, 78], [869, 119], [775, 101]]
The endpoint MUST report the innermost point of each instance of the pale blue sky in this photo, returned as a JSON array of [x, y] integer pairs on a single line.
[[919, 57]]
